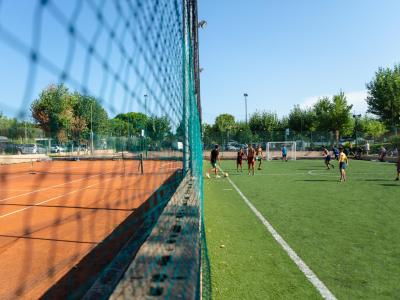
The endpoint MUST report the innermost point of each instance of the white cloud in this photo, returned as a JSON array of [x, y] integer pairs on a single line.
[[357, 98]]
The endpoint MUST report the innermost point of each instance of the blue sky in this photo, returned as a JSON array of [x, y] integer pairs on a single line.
[[292, 52], [122, 66]]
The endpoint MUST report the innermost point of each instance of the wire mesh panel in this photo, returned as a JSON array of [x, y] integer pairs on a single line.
[[100, 122]]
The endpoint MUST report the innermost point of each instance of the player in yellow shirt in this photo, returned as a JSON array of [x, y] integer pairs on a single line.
[[343, 162]]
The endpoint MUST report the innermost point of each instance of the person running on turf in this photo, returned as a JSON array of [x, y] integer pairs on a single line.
[[250, 158], [343, 162], [327, 158], [213, 159], [284, 153], [398, 167], [239, 160], [259, 156], [336, 152]]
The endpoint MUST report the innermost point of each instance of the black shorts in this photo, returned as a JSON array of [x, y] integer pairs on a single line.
[[328, 158], [214, 164]]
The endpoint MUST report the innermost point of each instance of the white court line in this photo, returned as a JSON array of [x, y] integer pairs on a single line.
[[311, 276], [50, 187], [29, 206], [16, 190], [166, 164]]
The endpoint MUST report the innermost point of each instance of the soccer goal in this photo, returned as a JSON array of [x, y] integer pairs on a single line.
[[274, 150]]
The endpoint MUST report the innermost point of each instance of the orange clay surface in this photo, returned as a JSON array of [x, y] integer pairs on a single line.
[[53, 213]]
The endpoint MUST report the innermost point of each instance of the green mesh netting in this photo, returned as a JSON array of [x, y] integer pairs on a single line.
[[100, 121]]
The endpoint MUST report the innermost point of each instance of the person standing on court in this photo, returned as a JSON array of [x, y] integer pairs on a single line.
[[259, 156], [250, 158], [284, 153], [366, 148], [214, 158]]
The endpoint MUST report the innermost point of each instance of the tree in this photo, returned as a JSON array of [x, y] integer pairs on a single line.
[[63, 115], [210, 134], [135, 121], [262, 123], [90, 112], [334, 115], [243, 133], [53, 111], [158, 128], [225, 123], [302, 119], [224, 126], [384, 95], [118, 127], [341, 115], [371, 127]]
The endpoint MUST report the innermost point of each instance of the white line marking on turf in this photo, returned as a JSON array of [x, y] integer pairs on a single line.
[[315, 281]]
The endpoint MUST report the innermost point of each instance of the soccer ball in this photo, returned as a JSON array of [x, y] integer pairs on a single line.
[[226, 174]]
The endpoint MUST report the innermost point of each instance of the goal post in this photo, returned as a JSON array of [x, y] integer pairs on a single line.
[[274, 150]]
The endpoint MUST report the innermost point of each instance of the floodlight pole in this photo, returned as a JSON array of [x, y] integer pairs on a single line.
[[91, 128], [356, 118], [145, 104], [245, 105]]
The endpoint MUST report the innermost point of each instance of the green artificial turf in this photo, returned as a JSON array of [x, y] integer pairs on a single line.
[[347, 233]]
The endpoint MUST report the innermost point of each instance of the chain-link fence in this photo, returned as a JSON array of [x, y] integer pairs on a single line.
[[100, 148]]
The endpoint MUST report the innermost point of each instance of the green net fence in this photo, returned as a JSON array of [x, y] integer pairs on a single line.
[[100, 149]]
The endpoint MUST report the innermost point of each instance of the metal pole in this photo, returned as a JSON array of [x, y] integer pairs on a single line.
[[91, 128], [26, 136], [245, 105], [145, 104], [145, 133], [186, 95]]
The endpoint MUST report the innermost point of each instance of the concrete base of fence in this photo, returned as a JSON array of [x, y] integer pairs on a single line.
[[167, 265]]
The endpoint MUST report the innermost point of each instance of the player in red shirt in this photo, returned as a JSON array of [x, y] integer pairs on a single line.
[[239, 160], [251, 158]]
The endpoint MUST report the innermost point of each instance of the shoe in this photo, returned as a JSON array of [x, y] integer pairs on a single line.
[[397, 179], [208, 175], [217, 176]]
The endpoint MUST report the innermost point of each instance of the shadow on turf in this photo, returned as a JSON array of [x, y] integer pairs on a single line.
[[390, 184], [311, 168], [378, 180], [316, 180]]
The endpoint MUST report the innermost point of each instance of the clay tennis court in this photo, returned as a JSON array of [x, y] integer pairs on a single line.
[[53, 213]]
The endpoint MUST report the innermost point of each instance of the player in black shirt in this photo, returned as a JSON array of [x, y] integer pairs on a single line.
[[213, 159]]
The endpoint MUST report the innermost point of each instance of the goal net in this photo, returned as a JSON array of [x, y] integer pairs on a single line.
[[275, 149]]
